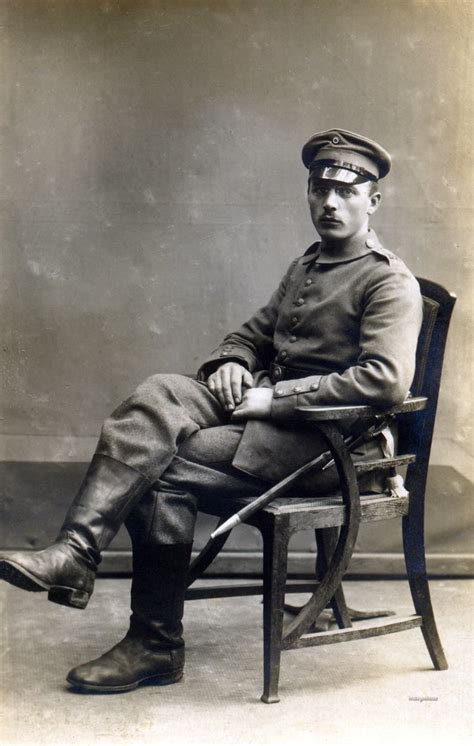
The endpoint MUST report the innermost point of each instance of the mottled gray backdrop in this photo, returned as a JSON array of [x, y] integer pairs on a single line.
[[153, 191]]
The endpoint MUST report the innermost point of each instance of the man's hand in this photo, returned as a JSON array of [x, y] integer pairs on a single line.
[[256, 405], [228, 384]]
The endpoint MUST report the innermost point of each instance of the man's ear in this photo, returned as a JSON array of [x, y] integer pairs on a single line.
[[375, 200]]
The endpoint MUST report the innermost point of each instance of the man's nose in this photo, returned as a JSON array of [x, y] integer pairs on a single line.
[[330, 200]]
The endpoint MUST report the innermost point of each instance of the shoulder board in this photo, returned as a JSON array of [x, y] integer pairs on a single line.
[[314, 247], [386, 254]]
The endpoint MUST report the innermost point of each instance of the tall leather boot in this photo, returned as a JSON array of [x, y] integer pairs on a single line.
[[67, 568], [152, 651]]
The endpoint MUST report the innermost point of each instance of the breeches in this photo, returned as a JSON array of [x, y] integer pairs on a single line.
[[175, 432], [145, 431], [173, 428]]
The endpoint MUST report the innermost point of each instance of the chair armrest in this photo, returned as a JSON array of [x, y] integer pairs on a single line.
[[315, 414]]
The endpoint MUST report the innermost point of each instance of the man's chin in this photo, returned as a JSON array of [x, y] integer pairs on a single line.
[[330, 231]]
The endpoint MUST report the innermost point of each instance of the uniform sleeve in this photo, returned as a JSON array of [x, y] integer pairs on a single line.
[[252, 344], [390, 325]]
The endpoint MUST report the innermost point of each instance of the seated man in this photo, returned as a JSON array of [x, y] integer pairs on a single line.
[[341, 328]]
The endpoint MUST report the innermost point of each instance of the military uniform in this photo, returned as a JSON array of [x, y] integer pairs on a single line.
[[341, 328]]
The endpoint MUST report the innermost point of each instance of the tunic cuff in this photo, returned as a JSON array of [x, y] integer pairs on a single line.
[[287, 395]]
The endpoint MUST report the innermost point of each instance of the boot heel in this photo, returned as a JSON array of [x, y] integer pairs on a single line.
[[68, 596]]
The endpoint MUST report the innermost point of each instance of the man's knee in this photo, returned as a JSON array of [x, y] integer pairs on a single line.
[[159, 387], [178, 403]]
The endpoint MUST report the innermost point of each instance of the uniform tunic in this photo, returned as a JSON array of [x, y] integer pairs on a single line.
[[338, 330]]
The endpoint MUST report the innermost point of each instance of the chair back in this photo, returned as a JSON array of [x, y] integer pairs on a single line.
[[416, 429]]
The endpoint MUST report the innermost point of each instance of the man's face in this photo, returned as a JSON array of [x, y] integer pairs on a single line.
[[340, 211]]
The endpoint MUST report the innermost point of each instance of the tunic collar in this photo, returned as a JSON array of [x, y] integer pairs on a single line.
[[355, 249]]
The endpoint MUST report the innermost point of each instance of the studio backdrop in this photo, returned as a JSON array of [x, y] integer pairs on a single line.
[[153, 195]]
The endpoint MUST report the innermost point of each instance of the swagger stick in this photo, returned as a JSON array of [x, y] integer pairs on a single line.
[[321, 462]]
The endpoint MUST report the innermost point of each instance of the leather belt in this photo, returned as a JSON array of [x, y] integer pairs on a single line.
[[285, 373]]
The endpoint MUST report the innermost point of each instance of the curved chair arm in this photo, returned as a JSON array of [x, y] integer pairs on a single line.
[[345, 544], [315, 414]]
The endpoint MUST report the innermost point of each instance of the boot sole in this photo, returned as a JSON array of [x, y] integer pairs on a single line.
[[15, 575], [21, 578], [161, 680]]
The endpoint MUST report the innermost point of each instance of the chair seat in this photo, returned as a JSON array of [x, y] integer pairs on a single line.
[[321, 512]]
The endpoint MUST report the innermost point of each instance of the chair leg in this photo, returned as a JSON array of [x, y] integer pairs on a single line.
[[326, 541], [276, 535], [415, 560]]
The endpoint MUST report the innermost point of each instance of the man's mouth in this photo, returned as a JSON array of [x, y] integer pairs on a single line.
[[328, 220]]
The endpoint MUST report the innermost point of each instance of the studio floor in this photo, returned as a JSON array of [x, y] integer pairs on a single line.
[[381, 690]]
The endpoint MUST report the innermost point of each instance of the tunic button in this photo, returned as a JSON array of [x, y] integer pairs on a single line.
[[292, 339], [308, 282], [279, 392], [297, 389], [370, 243], [283, 355], [314, 387], [276, 372], [294, 320], [300, 302]]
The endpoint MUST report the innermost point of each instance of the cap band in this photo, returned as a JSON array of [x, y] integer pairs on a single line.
[[343, 171]]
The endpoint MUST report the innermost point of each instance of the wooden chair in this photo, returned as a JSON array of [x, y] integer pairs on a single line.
[[336, 520]]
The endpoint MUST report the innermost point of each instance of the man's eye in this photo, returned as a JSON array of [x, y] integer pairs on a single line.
[[345, 192]]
